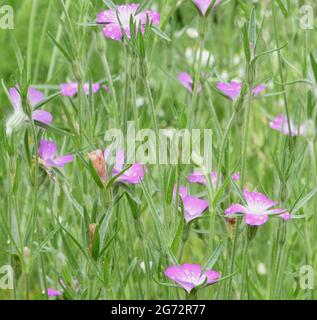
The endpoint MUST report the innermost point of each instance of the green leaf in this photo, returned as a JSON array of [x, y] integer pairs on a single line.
[[214, 257], [246, 43], [303, 201], [160, 33], [314, 65]]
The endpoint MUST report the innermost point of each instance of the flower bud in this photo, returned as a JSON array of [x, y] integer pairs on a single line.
[[98, 161]]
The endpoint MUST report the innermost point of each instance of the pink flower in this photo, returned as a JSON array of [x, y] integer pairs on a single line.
[[203, 5], [187, 81], [280, 123], [257, 210], [286, 216], [34, 96], [53, 293], [118, 20], [193, 206], [190, 276], [233, 89], [236, 176], [47, 152], [71, 89], [133, 175], [198, 177]]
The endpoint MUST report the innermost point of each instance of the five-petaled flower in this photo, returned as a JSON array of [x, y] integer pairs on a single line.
[[257, 209], [19, 117], [190, 276], [233, 89], [204, 5], [118, 21], [133, 175], [200, 178], [71, 89], [53, 292], [281, 124], [193, 207], [187, 81], [47, 152]]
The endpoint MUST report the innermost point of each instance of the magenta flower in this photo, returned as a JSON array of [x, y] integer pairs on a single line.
[[118, 20], [71, 89], [190, 276], [198, 177], [204, 5], [193, 206], [280, 123], [53, 293], [257, 209], [34, 97], [187, 81], [258, 89], [47, 153], [233, 89], [133, 175]]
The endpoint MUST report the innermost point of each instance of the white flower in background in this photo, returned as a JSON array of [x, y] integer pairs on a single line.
[[192, 33], [206, 56], [142, 265], [262, 269], [139, 102]]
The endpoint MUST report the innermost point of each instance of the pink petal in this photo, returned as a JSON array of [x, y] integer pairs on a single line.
[[133, 175], [236, 176], [107, 16], [15, 97], [42, 116], [203, 5], [194, 207], [182, 191], [212, 276], [47, 149], [236, 208], [62, 160], [232, 89], [69, 89], [187, 276], [53, 293], [258, 89], [286, 216], [112, 31], [35, 96], [255, 219], [149, 16], [258, 201]]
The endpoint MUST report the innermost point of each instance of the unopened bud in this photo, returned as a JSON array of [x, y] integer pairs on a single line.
[[98, 160], [26, 254]]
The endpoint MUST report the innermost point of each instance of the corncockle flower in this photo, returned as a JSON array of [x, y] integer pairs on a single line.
[[47, 153], [53, 293], [233, 89], [190, 276], [198, 177], [118, 20], [193, 207], [187, 81], [19, 117], [204, 5], [98, 161], [280, 123], [133, 175], [71, 89], [257, 210]]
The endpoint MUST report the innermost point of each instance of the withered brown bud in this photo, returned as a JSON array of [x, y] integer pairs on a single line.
[[98, 161], [231, 222]]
